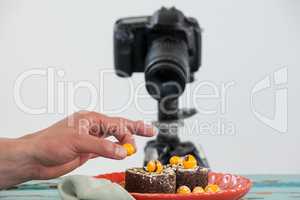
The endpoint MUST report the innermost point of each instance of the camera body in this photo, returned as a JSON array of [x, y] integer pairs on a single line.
[[176, 38]]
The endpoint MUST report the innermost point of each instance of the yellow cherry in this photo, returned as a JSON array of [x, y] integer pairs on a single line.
[[129, 148], [198, 190], [212, 188], [189, 162], [154, 166], [159, 167], [183, 190], [151, 166], [175, 160]]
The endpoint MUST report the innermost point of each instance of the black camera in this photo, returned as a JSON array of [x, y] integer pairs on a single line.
[[165, 46]]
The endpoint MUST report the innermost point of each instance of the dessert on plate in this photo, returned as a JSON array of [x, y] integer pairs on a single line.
[[154, 179], [182, 175], [190, 174]]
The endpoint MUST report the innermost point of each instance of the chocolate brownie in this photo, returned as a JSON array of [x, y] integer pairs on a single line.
[[192, 177], [140, 181]]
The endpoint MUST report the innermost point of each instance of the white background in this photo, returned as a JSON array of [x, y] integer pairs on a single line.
[[243, 41]]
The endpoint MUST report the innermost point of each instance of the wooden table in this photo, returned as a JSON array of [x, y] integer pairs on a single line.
[[266, 187]]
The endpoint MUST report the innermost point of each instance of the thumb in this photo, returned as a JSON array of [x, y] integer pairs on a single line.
[[102, 147]]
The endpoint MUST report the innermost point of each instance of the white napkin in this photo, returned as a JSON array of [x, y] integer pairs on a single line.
[[80, 187]]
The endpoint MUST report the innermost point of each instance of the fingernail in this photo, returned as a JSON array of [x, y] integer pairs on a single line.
[[153, 128], [121, 151]]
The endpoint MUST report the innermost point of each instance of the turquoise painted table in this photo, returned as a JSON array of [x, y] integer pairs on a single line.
[[265, 187]]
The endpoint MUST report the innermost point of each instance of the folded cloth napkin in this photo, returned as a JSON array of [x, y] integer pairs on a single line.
[[80, 187]]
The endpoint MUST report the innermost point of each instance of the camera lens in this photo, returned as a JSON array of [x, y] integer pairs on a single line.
[[166, 69]]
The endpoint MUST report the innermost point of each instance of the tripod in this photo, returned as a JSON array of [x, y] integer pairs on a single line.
[[168, 143]]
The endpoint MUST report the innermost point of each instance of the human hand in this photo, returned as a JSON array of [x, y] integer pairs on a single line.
[[68, 144]]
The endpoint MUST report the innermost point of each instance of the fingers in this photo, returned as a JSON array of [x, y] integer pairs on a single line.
[[142, 129], [105, 148], [103, 126], [116, 124], [124, 135]]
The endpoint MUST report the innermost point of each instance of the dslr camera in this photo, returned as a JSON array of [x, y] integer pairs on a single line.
[[165, 46]]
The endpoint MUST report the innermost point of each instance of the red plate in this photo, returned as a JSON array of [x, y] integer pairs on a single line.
[[232, 188]]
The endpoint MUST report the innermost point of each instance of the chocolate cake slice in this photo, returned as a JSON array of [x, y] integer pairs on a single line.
[[140, 181], [192, 177]]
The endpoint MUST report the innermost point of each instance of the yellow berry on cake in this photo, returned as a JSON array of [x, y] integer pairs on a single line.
[[183, 190]]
